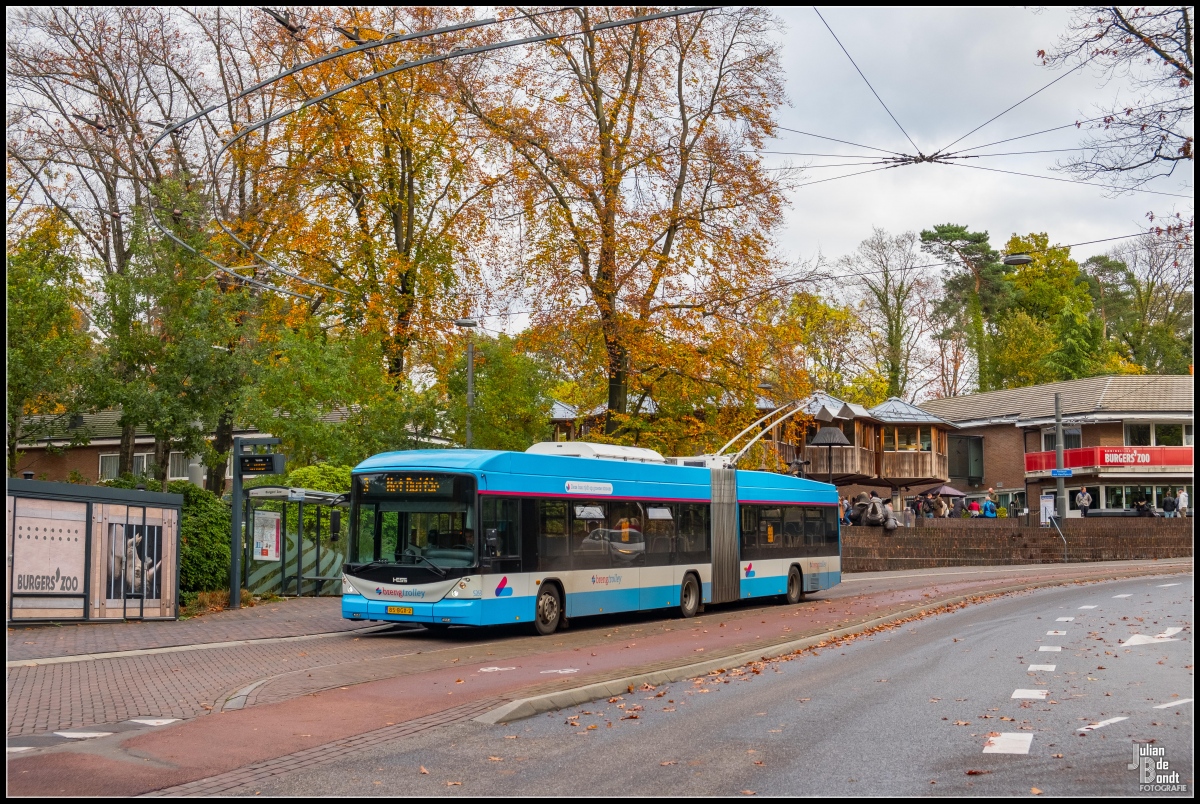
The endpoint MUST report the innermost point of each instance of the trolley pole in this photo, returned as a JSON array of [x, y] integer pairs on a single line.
[[1060, 497]]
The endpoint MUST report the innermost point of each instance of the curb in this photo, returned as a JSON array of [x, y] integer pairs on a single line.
[[537, 704]]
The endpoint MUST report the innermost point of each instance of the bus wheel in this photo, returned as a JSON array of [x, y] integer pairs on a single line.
[[689, 597], [549, 610], [795, 588]]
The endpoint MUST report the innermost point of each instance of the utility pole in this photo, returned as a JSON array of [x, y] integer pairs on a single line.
[[469, 324], [1060, 498]]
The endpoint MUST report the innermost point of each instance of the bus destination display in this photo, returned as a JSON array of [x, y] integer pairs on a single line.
[[398, 485]]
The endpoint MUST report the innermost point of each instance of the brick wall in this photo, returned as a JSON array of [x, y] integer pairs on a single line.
[[1003, 459], [46, 465], [1108, 434], [1008, 541]]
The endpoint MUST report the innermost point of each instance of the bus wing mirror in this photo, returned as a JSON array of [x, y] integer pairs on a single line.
[[335, 525]]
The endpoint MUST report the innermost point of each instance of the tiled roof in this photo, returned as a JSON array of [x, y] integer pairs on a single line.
[[1127, 393], [896, 411], [561, 411]]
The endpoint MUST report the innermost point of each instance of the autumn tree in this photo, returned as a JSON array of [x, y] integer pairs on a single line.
[[48, 345], [645, 214]]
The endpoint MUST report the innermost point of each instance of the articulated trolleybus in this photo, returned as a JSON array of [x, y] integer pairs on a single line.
[[474, 537]]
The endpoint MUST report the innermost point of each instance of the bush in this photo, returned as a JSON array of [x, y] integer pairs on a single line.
[[1002, 513], [204, 539]]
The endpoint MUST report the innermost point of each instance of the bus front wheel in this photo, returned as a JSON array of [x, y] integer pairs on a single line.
[[795, 587], [549, 610], [689, 597]]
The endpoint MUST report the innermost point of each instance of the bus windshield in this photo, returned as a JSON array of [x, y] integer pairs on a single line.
[[413, 518]]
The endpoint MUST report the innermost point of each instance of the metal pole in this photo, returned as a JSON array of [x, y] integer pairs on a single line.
[[1061, 486], [300, 549], [470, 383], [235, 542], [829, 452]]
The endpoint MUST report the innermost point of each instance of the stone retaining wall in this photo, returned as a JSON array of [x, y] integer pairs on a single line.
[[1009, 541]]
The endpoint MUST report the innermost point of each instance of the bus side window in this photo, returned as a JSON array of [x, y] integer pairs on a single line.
[[793, 527], [660, 534], [552, 535], [500, 535], [749, 526], [692, 534]]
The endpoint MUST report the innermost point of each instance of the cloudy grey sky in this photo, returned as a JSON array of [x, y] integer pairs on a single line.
[[942, 72]]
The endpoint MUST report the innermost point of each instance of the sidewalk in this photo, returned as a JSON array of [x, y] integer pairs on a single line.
[[292, 617]]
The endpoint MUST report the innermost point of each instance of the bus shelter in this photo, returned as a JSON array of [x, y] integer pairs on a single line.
[[294, 540], [86, 553]]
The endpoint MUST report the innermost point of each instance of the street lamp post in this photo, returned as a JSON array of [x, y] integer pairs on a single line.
[[469, 324]]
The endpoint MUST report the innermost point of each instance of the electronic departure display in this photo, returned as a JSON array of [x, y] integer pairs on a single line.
[[272, 464], [395, 484]]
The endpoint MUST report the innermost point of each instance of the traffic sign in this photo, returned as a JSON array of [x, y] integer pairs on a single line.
[[1060, 473]]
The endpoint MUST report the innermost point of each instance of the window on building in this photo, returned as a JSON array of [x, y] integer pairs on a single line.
[[108, 466], [848, 431], [1187, 435], [1114, 497], [926, 439], [177, 466], [1072, 439], [889, 439], [1137, 435], [907, 439], [1168, 435]]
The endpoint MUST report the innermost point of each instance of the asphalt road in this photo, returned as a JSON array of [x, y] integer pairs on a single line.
[[929, 707]]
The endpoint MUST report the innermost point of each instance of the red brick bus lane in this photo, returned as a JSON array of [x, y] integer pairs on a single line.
[[448, 677]]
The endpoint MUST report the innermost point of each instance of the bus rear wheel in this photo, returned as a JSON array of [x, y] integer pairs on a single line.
[[689, 597], [795, 587], [548, 611]]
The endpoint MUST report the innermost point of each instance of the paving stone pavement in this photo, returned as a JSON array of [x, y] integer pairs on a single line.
[[291, 617]]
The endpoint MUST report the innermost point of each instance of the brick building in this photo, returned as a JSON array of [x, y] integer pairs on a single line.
[[1124, 438]]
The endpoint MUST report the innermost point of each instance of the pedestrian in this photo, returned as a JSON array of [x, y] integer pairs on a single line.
[[989, 509], [958, 509], [1083, 501], [1181, 502], [991, 495], [939, 509], [1169, 505], [930, 507], [846, 510], [1143, 507], [974, 508]]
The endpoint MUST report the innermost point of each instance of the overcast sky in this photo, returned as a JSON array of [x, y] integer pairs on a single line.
[[942, 72]]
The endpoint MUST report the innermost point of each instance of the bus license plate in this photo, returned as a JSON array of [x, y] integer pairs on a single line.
[[399, 609]]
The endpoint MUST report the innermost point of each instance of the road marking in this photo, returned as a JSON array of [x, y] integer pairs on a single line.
[[16, 749], [1065, 620], [83, 735], [495, 669], [1036, 694], [155, 721], [1089, 607], [1042, 668], [1050, 647], [1165, 636], [1056, 633], [1008, 743], [566, 671], [1102, 724], [1165, 585], [1119, 596], [1173, 703]]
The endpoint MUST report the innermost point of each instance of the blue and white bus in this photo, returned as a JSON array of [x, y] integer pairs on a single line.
[[474, 537]]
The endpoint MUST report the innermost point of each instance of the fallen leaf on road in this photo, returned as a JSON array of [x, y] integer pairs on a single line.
[[962, 723], [594, 726], [748, 793], [758, 762], [496, 759], [510, 736], [453, 784], [630, 688], [627, 717], [668, 709], [614, 700], [977, 772], [1057, 756], [668, 762], [423, 770], [1035, 791], [458, 681]]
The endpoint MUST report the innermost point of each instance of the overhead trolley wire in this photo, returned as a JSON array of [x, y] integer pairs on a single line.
[[834, 139], [1015, 105], [864, 78], [1067, 181]]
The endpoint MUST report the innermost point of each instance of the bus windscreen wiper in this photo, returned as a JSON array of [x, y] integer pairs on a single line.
[[441, 572]]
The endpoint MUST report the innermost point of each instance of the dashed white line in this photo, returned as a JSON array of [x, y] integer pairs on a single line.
[[1117, 596], [1102, 724], [1174, 703], [17, 749], [1008, 743], [1035, 694], [1054, 648], [1089, 607], [1165, 585], [83, 735], [1065, 620], [1165, 636], [1042, 668], [155, 721], [1056, 633]]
